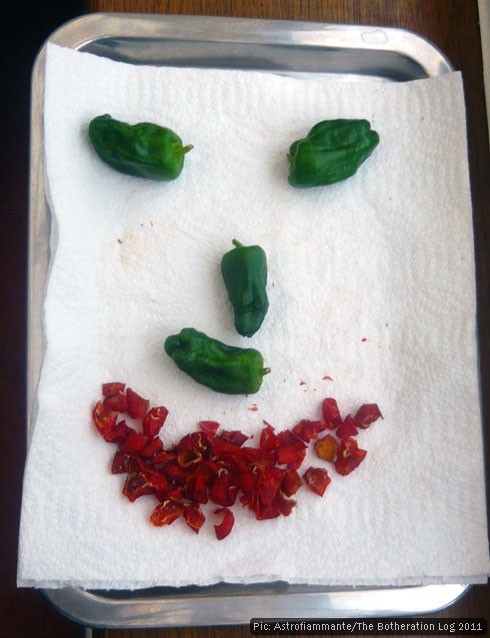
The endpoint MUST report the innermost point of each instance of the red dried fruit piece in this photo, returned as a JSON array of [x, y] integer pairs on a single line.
[[317, 479], [123, 463], [266, 512], [247, 482], [117, 402], [152, 448], [256, 457], [320, 426], [284, 505], [224, 528], [174, 473], [209, 428], [223, 491], [221, 448], [326, 448], [137, 406], [306, 430], [197, 488], [268, 438], [291, 482], [156, 480], [233, 436], [161, 458], [189, 458], [133, 442], [194, 517], [154, 420], [331, 413], [175, 493], [137, 485], [104, 420], [195, 441], [269, 481], [107, 425], [166, 513], [109, 389], [349, 456], [367, 414], [291, 454], [347, 428]]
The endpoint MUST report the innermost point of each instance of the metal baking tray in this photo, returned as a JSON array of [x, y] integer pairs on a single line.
[[342, 51]]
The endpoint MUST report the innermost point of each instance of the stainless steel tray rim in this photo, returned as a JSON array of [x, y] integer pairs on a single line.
[[98, 611], [80, 32]]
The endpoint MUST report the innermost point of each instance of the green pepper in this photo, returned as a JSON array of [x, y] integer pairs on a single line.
[[244, 270], [144, 149], [332, 151], [218, 366]]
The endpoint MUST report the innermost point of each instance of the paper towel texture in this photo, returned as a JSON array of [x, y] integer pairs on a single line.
[[371, 282]]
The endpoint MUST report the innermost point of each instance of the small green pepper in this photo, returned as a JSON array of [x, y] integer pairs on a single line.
[[244, 270], [332, 151], [218, 366], [143, 150]]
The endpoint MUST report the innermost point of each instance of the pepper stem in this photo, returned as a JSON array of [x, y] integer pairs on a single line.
[[265, 371], [236, 243], [186, 149]]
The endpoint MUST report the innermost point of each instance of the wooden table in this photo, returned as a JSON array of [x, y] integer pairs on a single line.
[[450, 24]]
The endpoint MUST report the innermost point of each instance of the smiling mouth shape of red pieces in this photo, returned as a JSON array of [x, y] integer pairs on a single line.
[[215, 468]]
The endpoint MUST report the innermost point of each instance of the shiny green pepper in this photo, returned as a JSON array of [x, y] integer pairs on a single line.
[[144, 149], [218, 366], [332, 151], [244, 270]]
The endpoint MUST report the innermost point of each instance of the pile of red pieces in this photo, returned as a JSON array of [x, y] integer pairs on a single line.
[[215, 466]]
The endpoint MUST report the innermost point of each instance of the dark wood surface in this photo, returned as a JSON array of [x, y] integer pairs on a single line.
[[450, 24]]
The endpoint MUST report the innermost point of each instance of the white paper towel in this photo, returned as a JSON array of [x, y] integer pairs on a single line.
[[371, 282]]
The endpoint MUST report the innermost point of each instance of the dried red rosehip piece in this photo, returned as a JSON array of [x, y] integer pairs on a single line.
[[197, 488], [221, 448], [347, 428], [291, 482], [166, 513], [123, 463], [152, 448], [194, 517], [223, 491], [284, 505], [326, 448], [317, 479], [154, 420], [233, 436], [109, 389], [133, 442], [224, 528], [209, 428], [349, 456], [269, 481], [291, 454], [136, 485], [367, 414], [268, 438], [306, 430], [117, 402], [137, 406], [331, 413], [104, 421]]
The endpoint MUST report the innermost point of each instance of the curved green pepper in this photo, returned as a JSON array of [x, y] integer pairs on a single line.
[[332, 151], [244, 270], [218, 366], [143, 150]]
